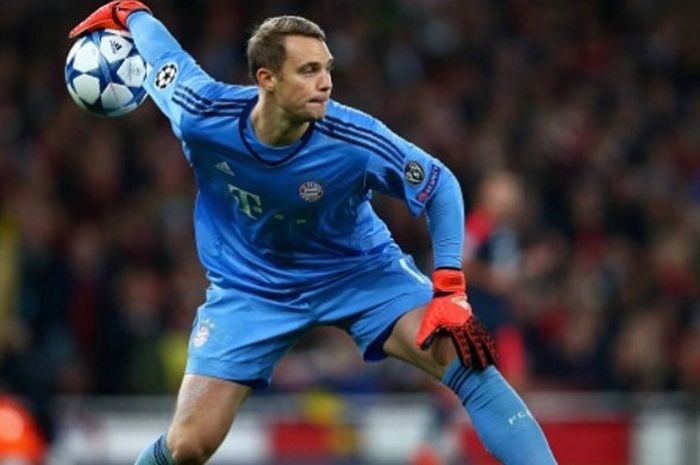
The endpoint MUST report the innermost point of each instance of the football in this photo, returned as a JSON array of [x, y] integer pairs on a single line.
[[104, 73]]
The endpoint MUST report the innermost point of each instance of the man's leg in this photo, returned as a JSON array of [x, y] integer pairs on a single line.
[[236, 335], [203, 416], [501, 419]]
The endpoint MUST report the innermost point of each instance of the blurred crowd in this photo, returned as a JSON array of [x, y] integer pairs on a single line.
[[574, 128]]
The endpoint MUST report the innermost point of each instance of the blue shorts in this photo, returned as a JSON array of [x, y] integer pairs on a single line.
[[240, 337]]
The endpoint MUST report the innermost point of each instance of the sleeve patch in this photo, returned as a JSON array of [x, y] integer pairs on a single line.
[[165, 76], [430, 186], [414, 173]]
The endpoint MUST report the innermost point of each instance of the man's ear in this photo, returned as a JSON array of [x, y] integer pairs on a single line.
[[266, 79]]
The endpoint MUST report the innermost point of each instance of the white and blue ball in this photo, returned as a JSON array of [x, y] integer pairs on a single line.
[[105, 73]]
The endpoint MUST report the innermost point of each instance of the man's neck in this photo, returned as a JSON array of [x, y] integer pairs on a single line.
[[272, 127]]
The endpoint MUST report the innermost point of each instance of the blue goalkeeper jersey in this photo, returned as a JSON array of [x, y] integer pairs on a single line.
[[279, 217]]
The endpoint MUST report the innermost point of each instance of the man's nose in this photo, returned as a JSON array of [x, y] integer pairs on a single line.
[[326, 82]]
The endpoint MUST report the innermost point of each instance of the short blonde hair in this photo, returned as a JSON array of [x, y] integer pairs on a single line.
[[266, 44]]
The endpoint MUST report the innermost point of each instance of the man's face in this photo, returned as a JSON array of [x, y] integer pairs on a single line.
[[303, 85]]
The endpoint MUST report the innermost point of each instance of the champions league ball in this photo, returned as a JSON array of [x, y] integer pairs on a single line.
[[104, 73]]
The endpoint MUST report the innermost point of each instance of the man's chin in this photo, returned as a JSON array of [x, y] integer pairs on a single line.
[[309, 114], [316, 115], [317, 109]]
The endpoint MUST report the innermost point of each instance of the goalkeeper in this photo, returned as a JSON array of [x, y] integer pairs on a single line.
[[286, 233]]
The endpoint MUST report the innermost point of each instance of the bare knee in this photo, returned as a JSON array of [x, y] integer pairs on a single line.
[[189, 449], [401, 344], [438, 357], [205, 410]]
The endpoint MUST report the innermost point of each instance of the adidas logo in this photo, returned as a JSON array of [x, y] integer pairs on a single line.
[[116, 46], [224, 168]]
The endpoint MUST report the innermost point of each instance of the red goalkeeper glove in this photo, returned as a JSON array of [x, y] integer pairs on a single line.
[[109, 16], [450, 313]]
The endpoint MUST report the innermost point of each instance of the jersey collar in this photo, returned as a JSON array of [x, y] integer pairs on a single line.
[[243, 130]]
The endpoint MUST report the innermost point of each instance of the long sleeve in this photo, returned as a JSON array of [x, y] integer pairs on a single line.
[[152, 38], [445, 214], [173, 74]]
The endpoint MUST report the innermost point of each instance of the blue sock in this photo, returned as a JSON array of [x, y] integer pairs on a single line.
[[502, 421], [156, 454]]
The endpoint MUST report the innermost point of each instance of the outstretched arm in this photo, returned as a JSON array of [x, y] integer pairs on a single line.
[[174, 72], [153, 40]]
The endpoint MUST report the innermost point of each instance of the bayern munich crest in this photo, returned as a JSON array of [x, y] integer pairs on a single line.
[[311, 191], [201, 336]]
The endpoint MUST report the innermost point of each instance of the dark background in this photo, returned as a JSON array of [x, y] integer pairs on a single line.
[[592, 107]]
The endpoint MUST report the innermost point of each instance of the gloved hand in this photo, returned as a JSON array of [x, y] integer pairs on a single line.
[[450, 313], [109, 16]]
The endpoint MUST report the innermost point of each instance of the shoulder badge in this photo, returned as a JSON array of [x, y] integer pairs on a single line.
[[165, 76], [414, 173]]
